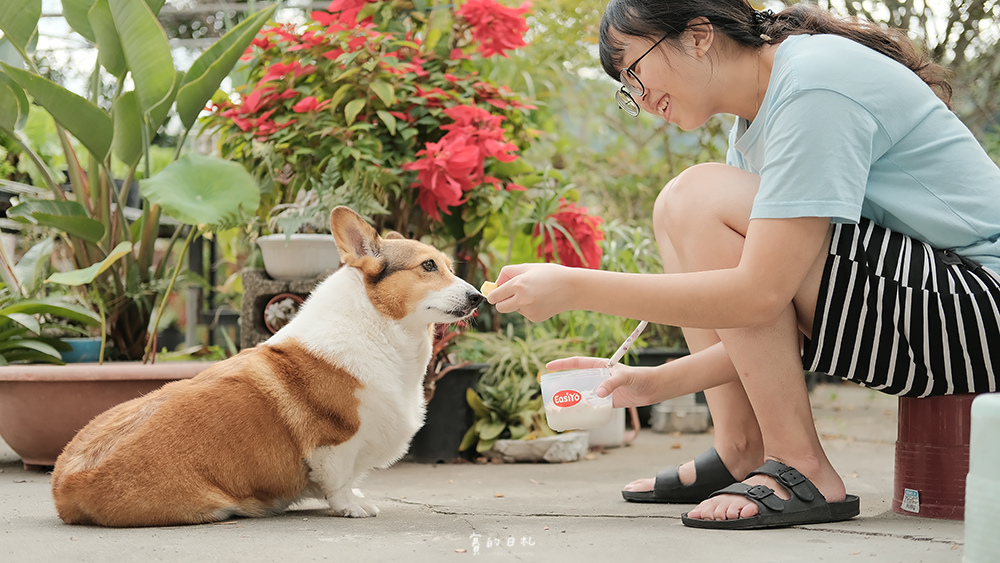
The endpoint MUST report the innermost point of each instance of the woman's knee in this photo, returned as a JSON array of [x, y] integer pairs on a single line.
[[704, 192]]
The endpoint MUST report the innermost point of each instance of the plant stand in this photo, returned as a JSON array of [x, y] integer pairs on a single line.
[[258, 289], [43, 406]]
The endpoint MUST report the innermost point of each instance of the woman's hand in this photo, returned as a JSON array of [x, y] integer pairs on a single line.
[[537, 291], [632, 386]]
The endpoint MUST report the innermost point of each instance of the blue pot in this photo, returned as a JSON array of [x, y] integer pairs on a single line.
[[84, 349]]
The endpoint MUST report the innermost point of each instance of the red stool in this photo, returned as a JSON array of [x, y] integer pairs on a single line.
[[932, 456]]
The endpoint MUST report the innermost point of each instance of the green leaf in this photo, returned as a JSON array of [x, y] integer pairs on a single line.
[[34, 262], [89, 274], [517, 432], [52, 306], [19, 21], [384, 91], [388, 119], [476, 403], [208, 70], [203, 190], [155, 5], [158, 113], [10, 105], [75, 12], [23, 105], [64, 216], [474, 224], [29, 344], [87, 122], [109, 45], [29, 357], [352, 109], [146, 51], [470, 438], [485, 445], [27, 321], [491, 430], [127, 118], [339, 95], [440, 24]]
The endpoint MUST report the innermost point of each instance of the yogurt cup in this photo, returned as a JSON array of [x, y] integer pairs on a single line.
[[571, 401]]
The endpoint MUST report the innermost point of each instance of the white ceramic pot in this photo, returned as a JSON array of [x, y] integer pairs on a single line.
[[302, 256]]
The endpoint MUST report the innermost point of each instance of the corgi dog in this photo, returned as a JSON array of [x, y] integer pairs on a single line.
[[335, 393]]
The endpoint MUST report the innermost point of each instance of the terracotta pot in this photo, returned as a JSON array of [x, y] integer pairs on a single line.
[[274, 322], [43, 406]]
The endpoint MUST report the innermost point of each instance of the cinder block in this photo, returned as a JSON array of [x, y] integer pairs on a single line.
[[258, 289]]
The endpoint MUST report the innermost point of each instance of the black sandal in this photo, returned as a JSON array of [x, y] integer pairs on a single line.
[[806, 505], [710, 475]]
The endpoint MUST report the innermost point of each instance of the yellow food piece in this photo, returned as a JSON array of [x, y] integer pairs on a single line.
[[488, 286]]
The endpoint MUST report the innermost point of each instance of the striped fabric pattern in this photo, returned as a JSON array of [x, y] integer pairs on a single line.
[[906, 319]]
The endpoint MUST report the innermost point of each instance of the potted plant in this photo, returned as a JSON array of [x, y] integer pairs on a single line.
[[385, 104], [301, 246], [28, 317], [507, 401], [117, 267]]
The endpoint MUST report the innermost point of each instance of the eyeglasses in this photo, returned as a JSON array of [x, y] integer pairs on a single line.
[[632, 86]]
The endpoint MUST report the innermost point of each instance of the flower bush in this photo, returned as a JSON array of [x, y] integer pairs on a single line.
[[386, 103], [571, 237]]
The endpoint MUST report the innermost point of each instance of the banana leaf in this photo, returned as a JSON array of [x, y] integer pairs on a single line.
[[19, 22]]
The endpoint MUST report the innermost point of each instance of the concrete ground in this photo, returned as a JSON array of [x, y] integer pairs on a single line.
[[521, 512]]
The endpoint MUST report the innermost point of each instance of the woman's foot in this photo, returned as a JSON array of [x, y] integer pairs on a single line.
[[692, 482], [731, 507]]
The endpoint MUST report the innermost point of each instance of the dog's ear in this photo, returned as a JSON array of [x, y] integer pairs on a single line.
[[393, 235], [355, 237]]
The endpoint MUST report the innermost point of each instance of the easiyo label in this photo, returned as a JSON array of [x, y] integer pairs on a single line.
[[566, 398]]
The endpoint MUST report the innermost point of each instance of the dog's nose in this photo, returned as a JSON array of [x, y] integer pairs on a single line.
[[474, 298]]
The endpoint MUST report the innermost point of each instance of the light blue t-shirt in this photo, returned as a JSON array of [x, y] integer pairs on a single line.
[[846, 132]]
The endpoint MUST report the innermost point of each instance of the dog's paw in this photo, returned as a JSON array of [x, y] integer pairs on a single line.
[[360, 508]]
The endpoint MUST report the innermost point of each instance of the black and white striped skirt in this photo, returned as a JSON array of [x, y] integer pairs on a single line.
[[906, 319]]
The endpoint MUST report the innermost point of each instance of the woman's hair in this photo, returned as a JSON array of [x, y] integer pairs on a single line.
[[654, 19]]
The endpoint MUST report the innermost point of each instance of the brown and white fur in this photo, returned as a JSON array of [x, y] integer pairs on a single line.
[[334, 394]]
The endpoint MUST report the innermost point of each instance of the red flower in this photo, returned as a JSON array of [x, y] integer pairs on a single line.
[[256, 100], [583, 228], [309, 104], [262, 42], [349, 10], [482, 129], [496, 28], [332, 55], [444, 174], [279, 70]]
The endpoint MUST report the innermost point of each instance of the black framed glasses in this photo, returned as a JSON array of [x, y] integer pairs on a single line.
[[632, 86]]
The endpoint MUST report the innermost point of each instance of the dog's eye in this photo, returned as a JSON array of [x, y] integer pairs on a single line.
[[430, 266]]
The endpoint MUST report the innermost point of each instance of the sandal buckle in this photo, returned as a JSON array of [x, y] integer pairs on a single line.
[[759, 492], [791, 477]]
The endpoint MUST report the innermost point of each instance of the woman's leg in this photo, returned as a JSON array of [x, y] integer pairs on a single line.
[[707, 210], [768, 362]]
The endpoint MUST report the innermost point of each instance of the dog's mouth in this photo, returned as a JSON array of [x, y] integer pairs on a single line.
[[462, 314]]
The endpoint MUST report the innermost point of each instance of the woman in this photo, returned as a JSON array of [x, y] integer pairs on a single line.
[[853, 231]]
